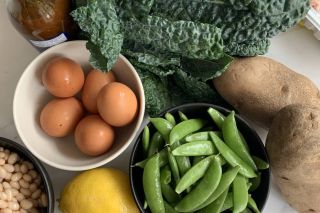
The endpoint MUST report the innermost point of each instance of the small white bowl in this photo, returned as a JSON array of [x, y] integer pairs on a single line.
[[31, 96]]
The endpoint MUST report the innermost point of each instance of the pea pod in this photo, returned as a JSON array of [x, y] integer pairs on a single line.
[[203, 189], [232, 157], [216, 206], [163, 159], [145, 139], [255, 183], [194, 174], [173, 165], [233, 140], [156, 143], [197, 159], [152, 186], [169, 117], [228, 203], [201, 136], [252, 204], [182, 161], [168, 193], [182, 116], [261, 164], [163, 126], [168, 208], [226, 180], [196, 148], [216, 116], [240, 194], [185, 128]]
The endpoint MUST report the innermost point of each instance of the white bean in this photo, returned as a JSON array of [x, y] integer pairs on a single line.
[[3, 172], [33, 187], [14, 192], [37, 181], [1, 188], [14, 206], [15, 185], [3, 204], [6, 156], [27, 177], [25, 192], [6, 185], [6, 211], [3, 196], [17, 168], [24, 184], [29, 165], [2, 154], [23, 168], [26, 204], [2, 162], [33, 174], [13, 158], [44, 200], [19, 197], [9, 175], [9, 194], [8, 167], [36, 194], [16, 176]]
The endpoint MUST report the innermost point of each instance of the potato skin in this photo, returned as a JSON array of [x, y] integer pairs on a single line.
[[293, 145], [258, 87]]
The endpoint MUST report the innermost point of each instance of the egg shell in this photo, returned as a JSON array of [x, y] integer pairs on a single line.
[[63, 77], [93, 136], [117, 104], [60, 116], [95, 80]]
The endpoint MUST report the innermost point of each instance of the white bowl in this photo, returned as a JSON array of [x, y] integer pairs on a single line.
[[31, 96]]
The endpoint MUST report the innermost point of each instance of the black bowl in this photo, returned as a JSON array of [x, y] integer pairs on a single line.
[[199, 110], [27, 155]]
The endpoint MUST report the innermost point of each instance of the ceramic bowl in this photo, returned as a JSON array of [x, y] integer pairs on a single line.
[[199, 110], [31, 96]]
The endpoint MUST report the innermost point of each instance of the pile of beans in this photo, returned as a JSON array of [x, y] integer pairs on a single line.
[[21, 187]]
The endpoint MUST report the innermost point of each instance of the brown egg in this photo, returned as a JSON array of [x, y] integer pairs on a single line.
[[63, 77], [117, 104], [95, 80], [60, 116], [93, 136]]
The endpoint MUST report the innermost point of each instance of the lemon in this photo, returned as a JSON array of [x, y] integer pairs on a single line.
[[100, 190]]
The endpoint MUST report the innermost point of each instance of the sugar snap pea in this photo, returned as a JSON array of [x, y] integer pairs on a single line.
[[163, 126], [216, 116], [168, 193], [203, 189], [183, 162], [201, 136], [197, 159], [233, 140], [170, 118], [194, 174], [252, 205], [152, 186], [196, 148], [156, 143], [216, 206], [261, 164], [255, 183], [163, 159], [232, 157], [228, 203], [240, 194], [169, 208], [226, 180], [173, 165], [182, 116], [145, 139], [185, 128]]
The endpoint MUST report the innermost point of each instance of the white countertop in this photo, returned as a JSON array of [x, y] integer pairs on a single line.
[[296, 48]]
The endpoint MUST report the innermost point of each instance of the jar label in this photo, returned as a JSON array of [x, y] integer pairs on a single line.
[[49, 43]]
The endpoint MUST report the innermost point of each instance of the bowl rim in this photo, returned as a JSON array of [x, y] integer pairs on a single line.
[[25, 141], [16, 147], [199, 104]]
